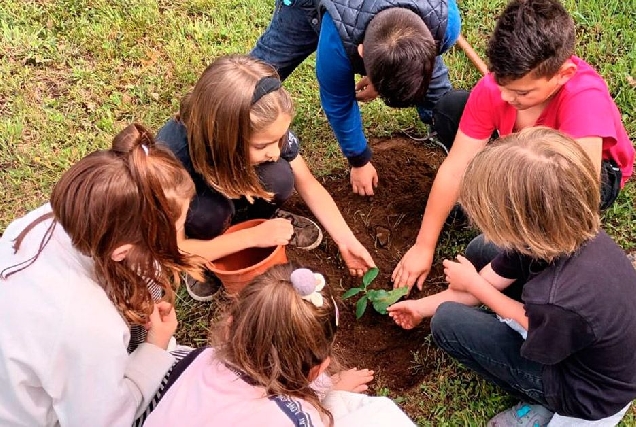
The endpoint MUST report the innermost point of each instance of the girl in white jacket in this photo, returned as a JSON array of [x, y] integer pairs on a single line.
[[73, 280]]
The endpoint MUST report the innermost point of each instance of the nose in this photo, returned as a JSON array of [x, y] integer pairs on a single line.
[[507, 96], [273, 153]]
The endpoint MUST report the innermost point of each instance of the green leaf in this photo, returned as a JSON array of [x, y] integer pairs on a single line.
[[370, 276], [383, 299], [361, 306], [351, 292]]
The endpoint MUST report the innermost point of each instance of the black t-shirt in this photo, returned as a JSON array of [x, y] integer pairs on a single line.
[[174, 135], [582, 326]]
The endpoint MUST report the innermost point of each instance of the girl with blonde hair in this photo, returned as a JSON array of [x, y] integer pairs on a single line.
[[232, 135], [567, 346], [74, 278]]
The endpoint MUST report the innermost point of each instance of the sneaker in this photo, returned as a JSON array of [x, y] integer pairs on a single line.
[[307, 235], [203, 291], [457, 217], [522, 415]]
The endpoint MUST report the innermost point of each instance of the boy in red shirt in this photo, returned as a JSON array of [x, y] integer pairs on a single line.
[[535, 79]]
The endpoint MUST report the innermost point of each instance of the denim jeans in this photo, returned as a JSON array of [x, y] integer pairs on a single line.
[[292, 36], [478, 340]]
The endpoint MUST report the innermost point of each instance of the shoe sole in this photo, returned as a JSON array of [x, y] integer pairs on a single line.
[[318, 240], [186, 280]]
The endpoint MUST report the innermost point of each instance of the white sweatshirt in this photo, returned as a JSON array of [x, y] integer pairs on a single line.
[[63, 358]]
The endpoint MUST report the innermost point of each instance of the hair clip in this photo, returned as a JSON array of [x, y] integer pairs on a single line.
[[308, 285], [145, 148]]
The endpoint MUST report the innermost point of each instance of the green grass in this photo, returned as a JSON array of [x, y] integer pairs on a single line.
[[75, 72]]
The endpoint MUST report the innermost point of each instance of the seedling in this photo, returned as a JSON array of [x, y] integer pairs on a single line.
[[379, 298]]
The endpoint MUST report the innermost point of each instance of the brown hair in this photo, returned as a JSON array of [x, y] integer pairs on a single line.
[[131, 194], [535, 192], [221, 119], [276, 337], [531, 36], [399, 56]]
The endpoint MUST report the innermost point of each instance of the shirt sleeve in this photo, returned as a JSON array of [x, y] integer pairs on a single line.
[[478, 118], [509, 265], [587, 114], [95, 381], [337, 94], [554, 333]]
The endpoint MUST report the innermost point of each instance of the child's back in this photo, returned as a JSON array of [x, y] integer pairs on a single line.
[[583, 328]]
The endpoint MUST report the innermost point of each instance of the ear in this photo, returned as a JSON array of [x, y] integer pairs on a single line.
[[119, 254], [360, 50], [318, 369], [566, 72]]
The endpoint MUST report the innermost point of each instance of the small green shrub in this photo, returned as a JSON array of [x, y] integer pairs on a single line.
[[379, 298]]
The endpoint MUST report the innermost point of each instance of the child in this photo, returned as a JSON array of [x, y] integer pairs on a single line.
[[73, 279], [395, 44], [232, 135], [268, 362], [571, 347], [535, 80]]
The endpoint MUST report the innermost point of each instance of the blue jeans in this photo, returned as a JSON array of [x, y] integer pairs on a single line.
[[478, 340], [292, 36]]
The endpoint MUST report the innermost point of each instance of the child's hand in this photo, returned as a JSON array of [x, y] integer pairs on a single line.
[[363, 179], [461, 274], [353, 380], [163, 324], [413, 267], [365, 91], [273, 232], [356, 257], [406, 314]]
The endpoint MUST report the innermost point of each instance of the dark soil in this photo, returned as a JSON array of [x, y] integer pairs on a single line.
[[386, 224]]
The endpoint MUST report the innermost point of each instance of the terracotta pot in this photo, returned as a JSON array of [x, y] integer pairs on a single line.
[[236, 270]]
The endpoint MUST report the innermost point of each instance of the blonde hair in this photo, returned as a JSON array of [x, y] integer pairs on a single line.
[[276, 337], [535, 192], [220, 119]]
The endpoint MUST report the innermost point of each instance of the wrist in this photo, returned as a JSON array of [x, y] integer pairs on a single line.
[[359, 160]]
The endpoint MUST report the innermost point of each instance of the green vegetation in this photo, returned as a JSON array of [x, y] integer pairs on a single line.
[[74, 72], [380, 299]]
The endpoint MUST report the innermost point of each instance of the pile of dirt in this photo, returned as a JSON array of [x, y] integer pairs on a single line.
[[386, 224]]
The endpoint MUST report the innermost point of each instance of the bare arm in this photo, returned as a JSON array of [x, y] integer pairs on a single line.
[[593, 146], [272, 232], [326, 211], [416, 263]]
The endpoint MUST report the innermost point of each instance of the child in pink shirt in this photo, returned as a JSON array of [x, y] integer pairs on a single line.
[[267, 364], [534, 80]]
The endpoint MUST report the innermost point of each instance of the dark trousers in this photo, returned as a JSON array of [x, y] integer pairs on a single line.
[[448, 113], [478, 340], [211, 212]]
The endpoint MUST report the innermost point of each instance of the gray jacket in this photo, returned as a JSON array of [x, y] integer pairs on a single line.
[[351, 18]]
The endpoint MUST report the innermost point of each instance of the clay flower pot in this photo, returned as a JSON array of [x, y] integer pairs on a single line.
[[236, 270]]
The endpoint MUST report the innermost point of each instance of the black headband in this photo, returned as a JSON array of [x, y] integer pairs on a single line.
[[264, 86]]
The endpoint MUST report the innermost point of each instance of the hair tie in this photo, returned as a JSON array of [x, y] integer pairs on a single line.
[[264, 86], [308, 285], [145, 148]]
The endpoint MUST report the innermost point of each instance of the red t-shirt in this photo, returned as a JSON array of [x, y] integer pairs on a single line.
[[582, 108]]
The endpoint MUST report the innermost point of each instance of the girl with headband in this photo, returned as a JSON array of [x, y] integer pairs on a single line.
[[268, 362], [232, 135]]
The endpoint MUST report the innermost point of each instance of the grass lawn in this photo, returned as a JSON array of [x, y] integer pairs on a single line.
[[75, 72]]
